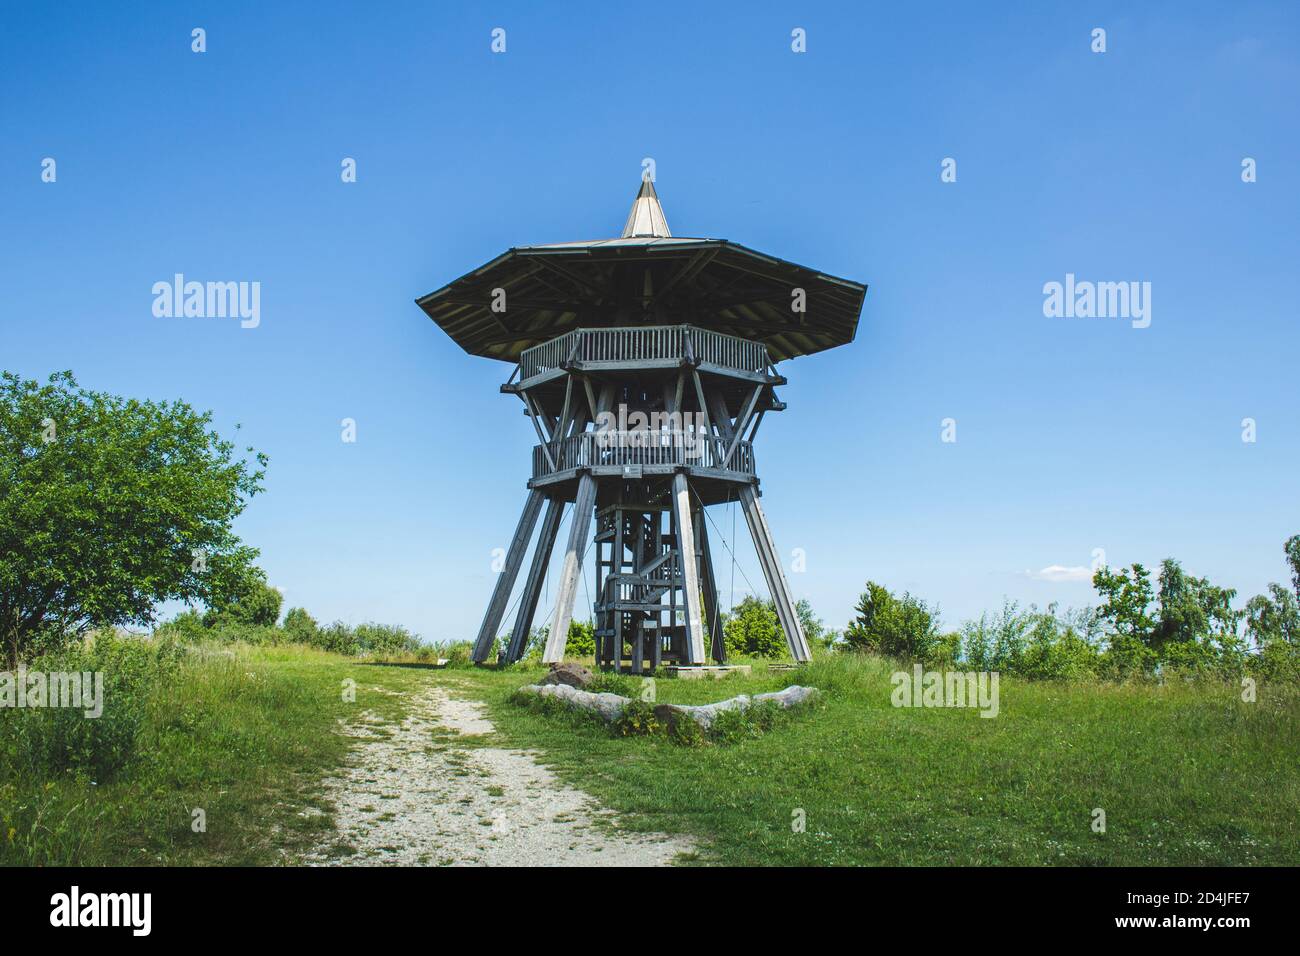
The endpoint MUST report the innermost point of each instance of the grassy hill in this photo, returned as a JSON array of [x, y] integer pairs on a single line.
[[1185, 773]]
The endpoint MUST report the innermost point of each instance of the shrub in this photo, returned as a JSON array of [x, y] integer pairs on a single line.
[[384, 639], [903, 627], [637, 720], [253, 603], [49, 740], [752, 630], [300, 627], [624, 685]]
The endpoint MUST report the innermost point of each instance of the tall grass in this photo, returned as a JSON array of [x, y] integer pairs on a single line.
[[242, 733]]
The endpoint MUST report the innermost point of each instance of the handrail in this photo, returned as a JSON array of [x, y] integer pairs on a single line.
[[615, 449], [644, 343]]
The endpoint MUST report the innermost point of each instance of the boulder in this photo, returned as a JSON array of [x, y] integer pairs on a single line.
[[574, 675]]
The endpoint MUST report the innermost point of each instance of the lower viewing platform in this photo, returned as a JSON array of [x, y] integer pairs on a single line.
[[637, 454]]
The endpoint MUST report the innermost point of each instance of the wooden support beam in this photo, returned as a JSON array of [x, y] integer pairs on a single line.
[[487, 633], [567, 591], [768, 557], [575, 277], [741, 422], [694, 645], [533, 583], [579, 531], [563, 425], [591, 398], [704, 406], [709, 582], [542, 439]]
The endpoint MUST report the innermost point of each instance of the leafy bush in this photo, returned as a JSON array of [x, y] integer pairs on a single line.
[[49, 740], [253, 602], [110, 506], [752, 630], [582, 639], [300, 627], [637, 720], [903, 627], [379, 639]]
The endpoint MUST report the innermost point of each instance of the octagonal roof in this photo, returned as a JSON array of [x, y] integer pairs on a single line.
[[647, 276]]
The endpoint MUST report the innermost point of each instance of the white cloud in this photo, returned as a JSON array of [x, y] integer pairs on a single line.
[[1059, 572]]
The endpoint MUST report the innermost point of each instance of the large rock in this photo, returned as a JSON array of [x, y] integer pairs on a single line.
[[575, 675]]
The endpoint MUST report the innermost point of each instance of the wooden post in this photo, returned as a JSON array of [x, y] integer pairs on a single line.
[[776, 583], [768, 557], [710, 583], [694, 644], [583, 505], [579, 530], [533, 583], [487, 632]]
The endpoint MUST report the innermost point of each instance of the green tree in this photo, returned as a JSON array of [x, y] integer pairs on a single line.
[[1273, 620], [300, 627], [1192, 609], [752, 630], [814, 629], [582, 639], [109, 506], [1126, 615], [249, 601], [895, 627]]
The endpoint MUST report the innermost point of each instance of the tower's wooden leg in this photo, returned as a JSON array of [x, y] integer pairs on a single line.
[[567, 591], [710, 582], [694, 644], [533, 583], [487, 633], [775, 573], [768, 557]]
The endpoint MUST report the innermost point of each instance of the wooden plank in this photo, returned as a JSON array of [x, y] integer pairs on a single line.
[[496, 609]]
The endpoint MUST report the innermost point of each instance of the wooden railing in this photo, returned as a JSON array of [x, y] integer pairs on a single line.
[[646, 343], [618, 449]]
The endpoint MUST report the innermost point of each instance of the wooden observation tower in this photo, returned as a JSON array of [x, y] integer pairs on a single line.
[[646, 364]]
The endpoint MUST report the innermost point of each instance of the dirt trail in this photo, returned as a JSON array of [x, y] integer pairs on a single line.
[[411, 796]]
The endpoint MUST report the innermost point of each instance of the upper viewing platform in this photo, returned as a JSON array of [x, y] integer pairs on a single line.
[[532, 295], [646, 347]]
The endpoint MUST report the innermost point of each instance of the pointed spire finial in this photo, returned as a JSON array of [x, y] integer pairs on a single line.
[[647, 216]]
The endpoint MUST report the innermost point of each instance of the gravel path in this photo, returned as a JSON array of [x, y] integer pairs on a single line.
[[412, 797]]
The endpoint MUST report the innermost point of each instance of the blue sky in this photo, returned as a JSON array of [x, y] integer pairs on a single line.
[[1072, 434]]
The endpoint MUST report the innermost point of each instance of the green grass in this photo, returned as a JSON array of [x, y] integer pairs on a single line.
[[1186, 774], [246, 735]]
